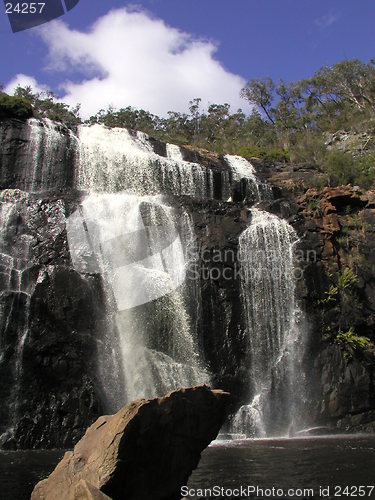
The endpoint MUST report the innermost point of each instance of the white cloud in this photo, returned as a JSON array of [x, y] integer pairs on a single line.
[[327, 20], [129, 58], [23, 81]]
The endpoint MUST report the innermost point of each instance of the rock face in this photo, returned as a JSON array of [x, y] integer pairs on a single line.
[[18, 147], [146, 450], [50, 320], [336, 227], [218, 226], [339, 225], [53, 320], [54, 327]]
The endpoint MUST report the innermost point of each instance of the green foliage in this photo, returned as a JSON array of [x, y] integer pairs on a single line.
[[126, 118], [365, 170], [260, 93], [330, 296], [350, 343], [339, 167], [289, 122], [46, 105], [272, 154], [217, 129], [336, 97], [343, 168], [314, 206], [353, 225], [308, 147], [344, 281], [14, 107], [342, 310], [342, 241]]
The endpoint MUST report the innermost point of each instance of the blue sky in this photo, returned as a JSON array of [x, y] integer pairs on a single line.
[[158, 54]]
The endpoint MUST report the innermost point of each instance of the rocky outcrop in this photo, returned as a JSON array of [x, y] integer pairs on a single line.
[[347, 390], [217, 228], [20, 145], [146, 450]]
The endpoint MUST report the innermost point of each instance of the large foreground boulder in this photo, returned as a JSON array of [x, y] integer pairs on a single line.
[[145, 451]]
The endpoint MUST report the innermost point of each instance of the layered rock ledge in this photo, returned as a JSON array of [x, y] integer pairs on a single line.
[[146, 450]]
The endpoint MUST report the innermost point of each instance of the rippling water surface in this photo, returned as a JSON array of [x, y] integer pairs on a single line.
[[287, 465], [21, 470]]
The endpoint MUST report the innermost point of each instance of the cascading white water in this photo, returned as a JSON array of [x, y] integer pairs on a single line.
[[144, 263], [157, 330], [14, 259], [243, 169], [15, 293], [113, 160], [174, 152], [135, 242], [47, 151], [102, 159], [120, 170], [266, 250]]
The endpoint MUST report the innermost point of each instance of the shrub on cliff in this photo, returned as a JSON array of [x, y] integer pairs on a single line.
[[45, 104], [14, 107], [344, 168], [269, 154], [350, 343]]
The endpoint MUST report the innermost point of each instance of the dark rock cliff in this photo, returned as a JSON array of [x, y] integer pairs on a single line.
[[336, 227], [48, 375], [217, 227], [50, 390]]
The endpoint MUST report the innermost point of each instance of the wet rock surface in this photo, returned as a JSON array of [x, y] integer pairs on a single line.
[[53, 319], [50, 321], [336, 227]]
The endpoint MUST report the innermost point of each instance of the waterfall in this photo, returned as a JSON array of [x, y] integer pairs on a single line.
[[14, 297], [271, 313], [49, 149], [243, 169], [174, 152], [100, 159], [123, 230], [122, 224], [112, 160], [138, 242], [141, 247]]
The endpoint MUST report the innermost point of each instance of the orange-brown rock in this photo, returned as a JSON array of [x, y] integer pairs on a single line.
[[343, 196], [328, 250], [146, 450], [326, 207], [331, 223], [371, 199]]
